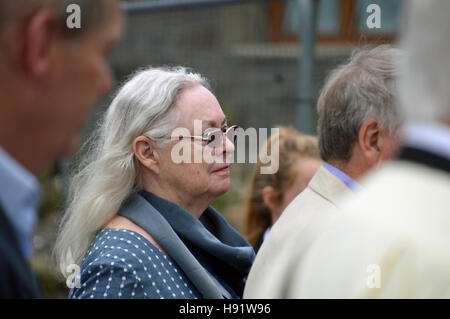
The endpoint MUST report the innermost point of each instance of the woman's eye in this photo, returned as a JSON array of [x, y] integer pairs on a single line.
[[209, 134]]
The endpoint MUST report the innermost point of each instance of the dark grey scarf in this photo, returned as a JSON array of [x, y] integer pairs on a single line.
[[213, 255]]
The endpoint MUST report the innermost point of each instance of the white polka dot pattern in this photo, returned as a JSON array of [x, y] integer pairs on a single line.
[[122, 264]]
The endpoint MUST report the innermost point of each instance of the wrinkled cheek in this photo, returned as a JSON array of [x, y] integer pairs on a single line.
[[213, 155], [208, 156], [198, 178]]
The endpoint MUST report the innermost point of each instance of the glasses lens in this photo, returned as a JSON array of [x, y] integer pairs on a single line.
[[214, 137]]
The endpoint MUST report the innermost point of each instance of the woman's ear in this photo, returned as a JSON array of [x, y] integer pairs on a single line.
[[369, 140], [144, 150]]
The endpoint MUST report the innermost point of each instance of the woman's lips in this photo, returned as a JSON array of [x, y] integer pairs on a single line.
[[223, 169]]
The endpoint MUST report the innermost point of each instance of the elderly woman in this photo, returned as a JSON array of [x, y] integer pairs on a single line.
[[139, 221]]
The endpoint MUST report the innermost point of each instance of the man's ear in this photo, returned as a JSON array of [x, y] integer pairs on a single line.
[[40, 32], [144, 150], [271, 200], [368, 141]]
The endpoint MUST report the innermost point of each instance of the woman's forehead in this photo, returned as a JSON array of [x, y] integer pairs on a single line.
[[204, 122], [197, 103]]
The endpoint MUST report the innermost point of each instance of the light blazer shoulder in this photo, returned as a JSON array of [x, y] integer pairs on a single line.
[[305, 214], [402, 236]]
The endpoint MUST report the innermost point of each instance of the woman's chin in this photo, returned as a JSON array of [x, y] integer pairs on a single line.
[[222, 187]]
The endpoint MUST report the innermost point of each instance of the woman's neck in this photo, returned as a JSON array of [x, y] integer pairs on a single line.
[[194, 205]]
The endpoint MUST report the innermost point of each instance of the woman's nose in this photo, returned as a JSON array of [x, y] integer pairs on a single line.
[[228, 146]]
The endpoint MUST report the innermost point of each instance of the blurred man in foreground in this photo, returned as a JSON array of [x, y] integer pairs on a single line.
[[50, 77], [358, 128], [393, 240]]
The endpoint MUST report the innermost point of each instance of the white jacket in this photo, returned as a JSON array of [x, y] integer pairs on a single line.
[[392, 241], [298, 225]]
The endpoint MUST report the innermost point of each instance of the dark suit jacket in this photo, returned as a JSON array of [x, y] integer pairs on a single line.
[[426, 158], [17, 281]]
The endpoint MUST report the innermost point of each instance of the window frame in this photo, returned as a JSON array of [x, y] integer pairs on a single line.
[[348, 32]]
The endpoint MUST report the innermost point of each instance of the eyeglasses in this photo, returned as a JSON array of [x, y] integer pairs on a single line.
[[214, 136]]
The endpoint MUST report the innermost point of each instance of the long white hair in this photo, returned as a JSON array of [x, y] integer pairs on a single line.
[[108, 173]]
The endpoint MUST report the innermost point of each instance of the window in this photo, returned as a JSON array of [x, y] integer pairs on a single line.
[[337, 20]]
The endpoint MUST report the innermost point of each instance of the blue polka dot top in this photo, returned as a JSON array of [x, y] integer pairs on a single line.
[[122, 264]]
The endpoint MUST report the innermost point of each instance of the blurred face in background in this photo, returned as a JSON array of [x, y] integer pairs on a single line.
[[53, 79], [81, 76]]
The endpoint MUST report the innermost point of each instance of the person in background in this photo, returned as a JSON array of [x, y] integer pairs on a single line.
[[358, 128], [50, 77], [393, 240], [298, 160], [139, 221]]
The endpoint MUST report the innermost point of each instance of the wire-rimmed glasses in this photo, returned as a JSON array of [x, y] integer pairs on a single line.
[[214, 136]]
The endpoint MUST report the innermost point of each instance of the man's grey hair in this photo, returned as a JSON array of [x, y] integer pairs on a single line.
[[94, 13], [425, 82], [362, 88]]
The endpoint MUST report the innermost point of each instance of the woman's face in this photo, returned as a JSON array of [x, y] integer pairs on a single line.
[[208, 177]]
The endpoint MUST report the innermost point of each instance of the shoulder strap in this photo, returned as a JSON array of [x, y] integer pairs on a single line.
[[141, 212]]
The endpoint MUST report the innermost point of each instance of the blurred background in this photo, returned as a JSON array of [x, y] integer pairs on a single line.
[[266, 61]]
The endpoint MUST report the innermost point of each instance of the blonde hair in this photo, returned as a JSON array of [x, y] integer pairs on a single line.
[[292, 145], [144, 105]]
